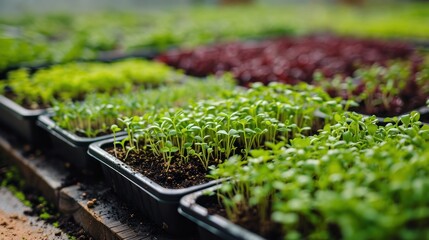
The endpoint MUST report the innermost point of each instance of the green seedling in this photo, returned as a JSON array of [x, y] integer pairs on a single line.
[[354, 175], [94, 116], [73, 81], [209, 131], [379, 89]]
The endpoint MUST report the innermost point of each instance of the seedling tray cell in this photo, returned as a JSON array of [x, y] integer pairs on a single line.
[[69, 147], [22, 121]]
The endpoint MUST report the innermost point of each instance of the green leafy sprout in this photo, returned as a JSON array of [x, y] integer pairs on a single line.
[[353, 180], [210, 131], [381, 89], [98, 112], [74, 81]]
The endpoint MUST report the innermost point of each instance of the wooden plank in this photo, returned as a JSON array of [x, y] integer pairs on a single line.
[[108, 214], [44, 175]]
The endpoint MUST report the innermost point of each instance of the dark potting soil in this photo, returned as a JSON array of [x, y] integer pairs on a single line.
[[425, 118], [176, 177], [248, 220], [82, 134]]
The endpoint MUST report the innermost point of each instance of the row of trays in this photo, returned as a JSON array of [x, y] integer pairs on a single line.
[[178, 211], [175, 210]]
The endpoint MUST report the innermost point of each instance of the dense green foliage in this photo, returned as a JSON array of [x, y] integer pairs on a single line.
[[33, 39], [73, 81], [298, 175], [59, 38], [98, 112], [353, 180], [213, 130]]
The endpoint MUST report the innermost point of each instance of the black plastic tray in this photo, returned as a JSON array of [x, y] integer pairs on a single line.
[[111, 56], [158, 203], [69, 147], [212, 226], [22, 121]]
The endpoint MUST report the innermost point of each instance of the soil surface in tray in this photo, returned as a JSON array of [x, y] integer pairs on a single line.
[[176, 177]]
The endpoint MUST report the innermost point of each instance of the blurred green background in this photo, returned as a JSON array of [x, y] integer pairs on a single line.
[[47, 31]]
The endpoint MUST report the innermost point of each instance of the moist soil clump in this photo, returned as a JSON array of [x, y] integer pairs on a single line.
[[99, 134], [175, 176]]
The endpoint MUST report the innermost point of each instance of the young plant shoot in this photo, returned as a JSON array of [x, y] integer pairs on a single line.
[[353, 180], [389, 90], [209, 131], [73, 81], [95, 115]]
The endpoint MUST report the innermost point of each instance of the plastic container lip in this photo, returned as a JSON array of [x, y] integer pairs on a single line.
[[70, 147], [215, 224], [96, 150], [22, 121], [20, 110]]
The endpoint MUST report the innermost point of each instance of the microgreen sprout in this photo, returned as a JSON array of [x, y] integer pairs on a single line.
[[381, 90], [352, 180], [114, 128], [94, 116], [74, 81], [212, 130]]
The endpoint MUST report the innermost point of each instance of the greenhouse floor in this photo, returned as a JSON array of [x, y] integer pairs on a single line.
[[14, 224], [89, 201]]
